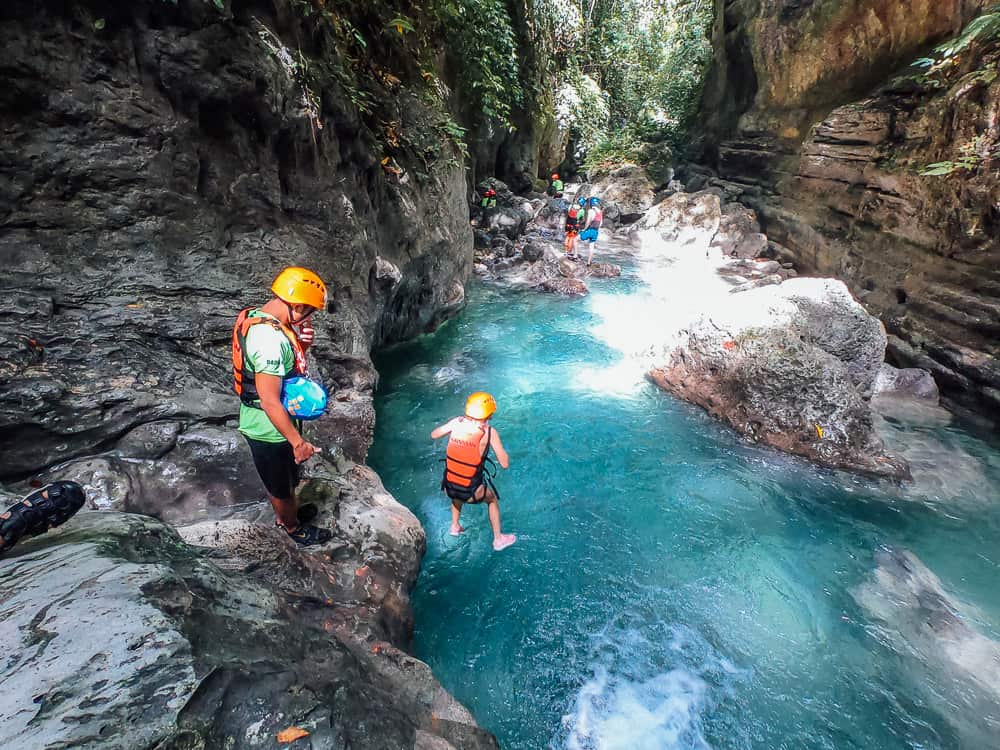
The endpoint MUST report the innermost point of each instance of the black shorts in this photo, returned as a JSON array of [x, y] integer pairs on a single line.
[[276, 465], [464, 494]]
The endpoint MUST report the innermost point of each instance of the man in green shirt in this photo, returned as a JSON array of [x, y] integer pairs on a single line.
[[269, 345], [556, 186]]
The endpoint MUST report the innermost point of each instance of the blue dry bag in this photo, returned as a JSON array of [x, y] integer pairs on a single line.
[[303, 398]]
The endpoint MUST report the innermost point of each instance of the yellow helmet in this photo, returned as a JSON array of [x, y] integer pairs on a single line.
[[300, 286], [480, 405]]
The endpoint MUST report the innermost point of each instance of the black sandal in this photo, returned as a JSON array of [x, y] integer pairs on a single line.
[[40, 511], [307, 535]]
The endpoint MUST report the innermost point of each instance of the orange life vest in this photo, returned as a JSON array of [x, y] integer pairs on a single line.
[[243, 374], [464, 459]]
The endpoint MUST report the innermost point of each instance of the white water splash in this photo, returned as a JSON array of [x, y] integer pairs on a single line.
[[652, 688], [660, 713]]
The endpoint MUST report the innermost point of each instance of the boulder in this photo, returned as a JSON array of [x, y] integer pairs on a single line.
[[568, 287], [689, 219], [533, 249], [790, 366], [121, 636], [910, 382], [835, 143], [603, 270], [509, 221], [627, 193], [739, 233]]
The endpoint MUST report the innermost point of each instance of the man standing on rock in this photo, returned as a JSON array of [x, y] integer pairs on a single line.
[[556, 186], [574, 218], [269, 347], [592, 225]]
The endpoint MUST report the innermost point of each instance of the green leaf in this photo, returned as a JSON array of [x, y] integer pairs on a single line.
[[941, 168], [401, 24], [99, 24]]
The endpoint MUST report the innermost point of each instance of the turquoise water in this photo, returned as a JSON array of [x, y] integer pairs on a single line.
[[672, 586]]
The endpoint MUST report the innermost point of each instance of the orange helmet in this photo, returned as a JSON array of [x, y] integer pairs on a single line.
[[480, 405], [300, 286], [555, 176]]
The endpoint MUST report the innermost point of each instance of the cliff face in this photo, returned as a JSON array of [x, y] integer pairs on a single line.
[[159, 170], [159, 163], [816, 120]]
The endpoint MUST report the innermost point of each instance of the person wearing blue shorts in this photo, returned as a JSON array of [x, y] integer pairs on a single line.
[[592, 226]]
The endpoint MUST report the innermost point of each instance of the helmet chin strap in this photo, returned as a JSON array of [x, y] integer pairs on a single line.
[[291, 315]]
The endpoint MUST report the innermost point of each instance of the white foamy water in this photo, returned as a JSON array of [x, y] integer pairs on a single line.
[[652, 686], [660, 713]]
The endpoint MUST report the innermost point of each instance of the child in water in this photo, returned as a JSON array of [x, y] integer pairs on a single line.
[[465, 480]]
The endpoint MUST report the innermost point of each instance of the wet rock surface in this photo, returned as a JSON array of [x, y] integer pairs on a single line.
[[626, 194], [159, 168], [933, 633], [138, 219], [792, 367], [826, 135], [909, 382], [121, 635], [788, 362]]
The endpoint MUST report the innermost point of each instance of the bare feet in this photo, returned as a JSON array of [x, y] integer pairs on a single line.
[[503, 541], [456, 530]]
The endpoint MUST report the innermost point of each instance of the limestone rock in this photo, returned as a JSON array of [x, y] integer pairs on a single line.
[[739, 233], [122, 636], [685, 218], [567, 287], [626, 194], [140, 219], [911, 381], [842, 194], [603, 270], [790, 366]]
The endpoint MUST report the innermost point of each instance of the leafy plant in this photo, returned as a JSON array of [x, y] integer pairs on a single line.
[[401, 24], [970, 159], [480, 36]]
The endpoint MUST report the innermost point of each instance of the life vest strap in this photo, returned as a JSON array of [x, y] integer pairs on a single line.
[[243, 374]]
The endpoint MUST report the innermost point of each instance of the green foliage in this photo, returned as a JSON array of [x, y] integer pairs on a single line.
[[401, 24], [480, 36], [631, 70], [971, 157], [581, 106], [943, 60], [651, 56], [622, 147]]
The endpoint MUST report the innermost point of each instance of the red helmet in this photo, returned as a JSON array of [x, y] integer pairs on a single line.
[[555, 176]]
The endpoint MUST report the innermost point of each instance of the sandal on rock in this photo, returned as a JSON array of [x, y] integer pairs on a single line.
[[40, 511], [307, 535]]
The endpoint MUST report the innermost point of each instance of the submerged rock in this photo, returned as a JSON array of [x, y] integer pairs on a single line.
[[568, 287], [923, 622], [792, 367], [912, 382], [120, 635]]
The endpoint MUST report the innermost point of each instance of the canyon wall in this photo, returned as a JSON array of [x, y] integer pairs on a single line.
[[865, 134]]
